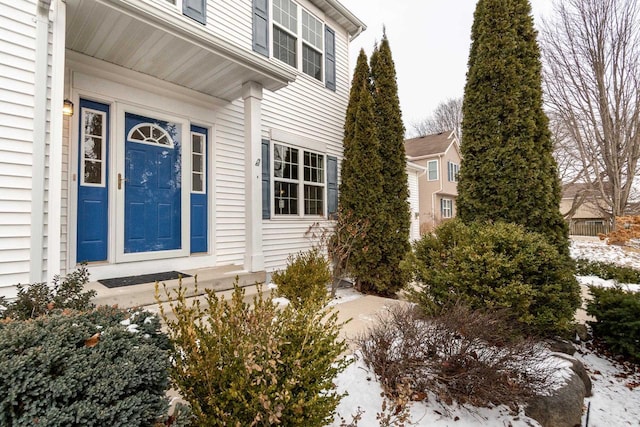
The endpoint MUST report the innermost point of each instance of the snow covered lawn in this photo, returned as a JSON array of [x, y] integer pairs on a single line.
[[616, 394]]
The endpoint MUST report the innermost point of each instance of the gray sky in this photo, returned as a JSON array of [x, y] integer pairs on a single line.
[[430, 42]]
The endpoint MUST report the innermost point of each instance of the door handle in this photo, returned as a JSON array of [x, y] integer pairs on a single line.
[[120, 180]]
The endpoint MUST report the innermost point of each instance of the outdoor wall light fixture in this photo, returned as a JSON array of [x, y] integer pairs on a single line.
[[67, 108]]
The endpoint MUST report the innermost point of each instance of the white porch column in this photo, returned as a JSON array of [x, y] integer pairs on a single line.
[[55, 145], [252, 96], [36, 264]]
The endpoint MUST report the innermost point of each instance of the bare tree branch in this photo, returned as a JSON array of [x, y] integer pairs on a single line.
[[591, 54], [446, 117]]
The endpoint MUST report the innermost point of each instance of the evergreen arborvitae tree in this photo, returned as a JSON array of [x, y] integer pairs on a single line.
[[508, 172], [394, 205], [361, 183]]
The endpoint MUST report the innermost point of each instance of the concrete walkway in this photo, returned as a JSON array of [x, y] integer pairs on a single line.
[[363, 312]]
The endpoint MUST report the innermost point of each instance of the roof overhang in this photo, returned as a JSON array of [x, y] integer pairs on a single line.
[[343, 16], [154, 39]]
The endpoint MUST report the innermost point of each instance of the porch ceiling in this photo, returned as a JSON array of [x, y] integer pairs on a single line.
[[168, 46]]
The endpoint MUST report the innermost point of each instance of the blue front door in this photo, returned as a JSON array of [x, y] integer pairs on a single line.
[[152, 185]]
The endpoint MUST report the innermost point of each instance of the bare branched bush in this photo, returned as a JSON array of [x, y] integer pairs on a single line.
[[337, 241], [460, 355]]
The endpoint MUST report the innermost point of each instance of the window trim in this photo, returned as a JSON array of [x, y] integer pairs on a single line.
[[103, 149], [444, 209], [436, 170], [300, 182]]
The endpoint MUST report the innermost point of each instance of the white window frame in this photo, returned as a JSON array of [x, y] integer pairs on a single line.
[[103, 148], [447, 208], [300, 40], [300, 182], [454, 170], [203, 159], [437, 172]]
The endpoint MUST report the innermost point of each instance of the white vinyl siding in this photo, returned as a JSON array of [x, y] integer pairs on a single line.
[[229, 174], [319, 118], [16, 127]]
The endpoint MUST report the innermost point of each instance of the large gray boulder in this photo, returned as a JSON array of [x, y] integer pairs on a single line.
[[563, 406]]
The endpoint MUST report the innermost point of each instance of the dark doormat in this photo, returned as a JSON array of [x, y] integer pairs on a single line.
[[143, 278]]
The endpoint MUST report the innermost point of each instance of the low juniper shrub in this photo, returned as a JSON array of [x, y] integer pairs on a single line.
[[97, 368], [241, 364], [617, 314]]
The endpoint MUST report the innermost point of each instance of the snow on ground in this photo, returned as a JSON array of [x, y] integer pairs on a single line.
[[615, 401]]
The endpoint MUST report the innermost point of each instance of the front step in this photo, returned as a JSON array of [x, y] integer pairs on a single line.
[[219, 279]]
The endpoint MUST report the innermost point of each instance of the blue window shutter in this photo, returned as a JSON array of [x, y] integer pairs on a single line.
[[266, 180], [261, 27], [332, 184], [329, 58], [196, 10], [442, 208], [449, 171]]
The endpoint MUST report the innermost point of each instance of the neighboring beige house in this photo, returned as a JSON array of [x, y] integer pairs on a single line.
[[579, 206], [439, 156]]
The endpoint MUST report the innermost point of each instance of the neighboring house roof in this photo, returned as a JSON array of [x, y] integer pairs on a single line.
[[429, 145], [570, 191]]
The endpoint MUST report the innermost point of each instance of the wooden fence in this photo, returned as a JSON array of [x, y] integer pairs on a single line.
[[591, 228]]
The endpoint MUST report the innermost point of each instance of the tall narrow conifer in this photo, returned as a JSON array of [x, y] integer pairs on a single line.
[[361, 180], [394, 205], [508, 172]]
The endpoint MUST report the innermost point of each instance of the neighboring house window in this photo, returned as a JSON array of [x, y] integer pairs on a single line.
[[432, 170], [298, 181], [92, 170], [198, 163], [446, 207], [454, 169]]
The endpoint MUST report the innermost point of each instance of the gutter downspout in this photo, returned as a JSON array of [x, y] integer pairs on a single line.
[[39, 142]]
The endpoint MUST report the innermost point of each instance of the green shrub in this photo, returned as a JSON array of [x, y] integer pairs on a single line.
[[40, 298], [239, 364], [106, 367], [306, 278], [497, 266], [607, 271], [617, 314]]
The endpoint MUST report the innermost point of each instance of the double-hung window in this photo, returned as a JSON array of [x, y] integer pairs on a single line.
[[296, 30], [298, 182], [432, 170], [311, 45], [285, 31], [454, 169], [446, 206]]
